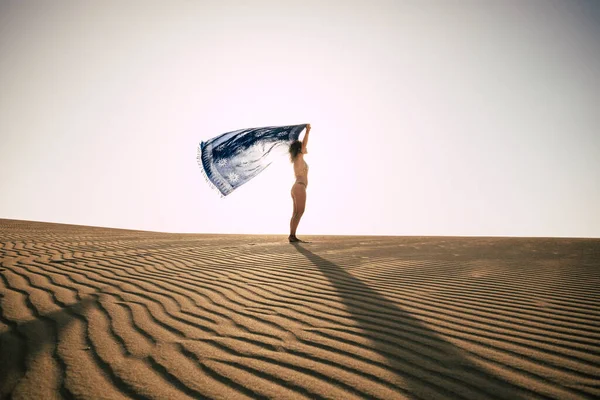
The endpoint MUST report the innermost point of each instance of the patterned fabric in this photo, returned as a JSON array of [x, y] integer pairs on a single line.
[[233, 158]]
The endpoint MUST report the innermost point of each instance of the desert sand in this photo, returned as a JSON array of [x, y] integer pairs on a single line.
[[102, 313]]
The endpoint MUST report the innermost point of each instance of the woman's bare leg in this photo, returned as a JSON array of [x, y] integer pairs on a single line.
[[299, 198], [293, 224]]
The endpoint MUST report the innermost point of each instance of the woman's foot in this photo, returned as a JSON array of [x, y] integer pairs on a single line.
[[294, 239]]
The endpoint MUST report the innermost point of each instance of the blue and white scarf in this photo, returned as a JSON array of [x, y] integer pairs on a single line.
[[233, 158]]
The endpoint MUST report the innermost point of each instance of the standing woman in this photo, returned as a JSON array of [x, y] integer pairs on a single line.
[[297, 152]]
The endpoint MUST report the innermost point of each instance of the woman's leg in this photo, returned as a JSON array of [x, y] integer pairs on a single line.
[[299, 198], [293, 224]]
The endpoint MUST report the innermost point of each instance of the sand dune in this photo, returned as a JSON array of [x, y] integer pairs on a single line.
[[104, 313]]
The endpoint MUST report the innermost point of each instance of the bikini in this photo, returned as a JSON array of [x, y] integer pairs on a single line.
[[298, 177]]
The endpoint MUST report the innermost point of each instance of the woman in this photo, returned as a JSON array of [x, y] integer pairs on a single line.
[[297, 152]]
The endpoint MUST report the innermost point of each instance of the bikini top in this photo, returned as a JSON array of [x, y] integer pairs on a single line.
[[305, 169]]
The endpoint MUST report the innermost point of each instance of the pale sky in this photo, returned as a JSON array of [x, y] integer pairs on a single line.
[[429, 117]]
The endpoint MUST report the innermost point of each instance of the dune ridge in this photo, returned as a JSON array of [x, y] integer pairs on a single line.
[[88, 312]]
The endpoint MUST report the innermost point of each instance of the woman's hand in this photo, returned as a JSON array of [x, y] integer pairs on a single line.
[[307, 128]]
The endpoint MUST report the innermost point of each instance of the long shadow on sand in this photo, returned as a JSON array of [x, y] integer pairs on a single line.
[[427, 365]]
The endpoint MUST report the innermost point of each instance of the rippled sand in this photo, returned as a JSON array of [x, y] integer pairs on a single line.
[[104, 313]]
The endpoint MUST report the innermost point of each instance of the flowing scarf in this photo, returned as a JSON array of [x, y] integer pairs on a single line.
[[233, 158]]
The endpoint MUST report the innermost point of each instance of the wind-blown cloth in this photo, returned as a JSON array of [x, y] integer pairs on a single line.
[[233, 158]]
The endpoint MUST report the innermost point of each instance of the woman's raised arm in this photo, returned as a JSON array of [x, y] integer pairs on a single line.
[[305, 140]]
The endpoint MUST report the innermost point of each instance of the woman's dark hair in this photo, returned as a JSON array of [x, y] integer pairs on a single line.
[[295, 149]]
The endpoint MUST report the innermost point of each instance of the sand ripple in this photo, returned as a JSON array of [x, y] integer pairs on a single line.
[[104, 313]]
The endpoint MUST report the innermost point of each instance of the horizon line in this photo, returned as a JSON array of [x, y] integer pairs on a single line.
[[306, 234]]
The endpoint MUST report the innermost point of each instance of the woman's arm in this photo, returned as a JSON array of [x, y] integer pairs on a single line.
[[305, 140]]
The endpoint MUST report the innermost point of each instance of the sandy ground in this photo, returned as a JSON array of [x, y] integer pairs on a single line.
[[104, 313]]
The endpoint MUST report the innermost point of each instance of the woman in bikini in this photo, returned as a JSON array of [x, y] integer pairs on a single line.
[[297, 152]]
